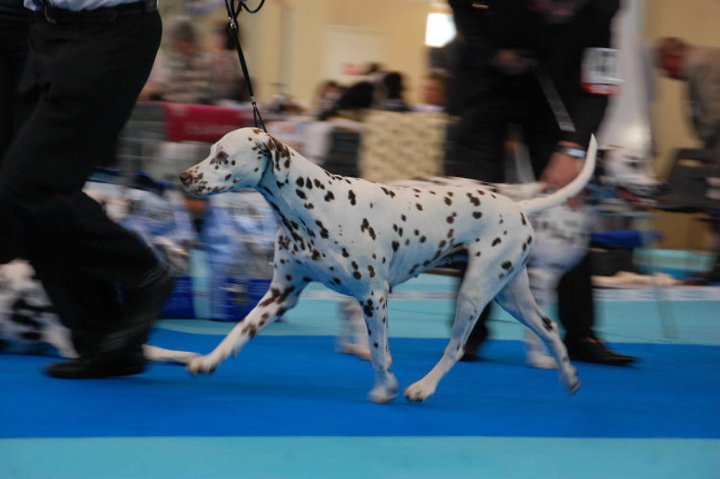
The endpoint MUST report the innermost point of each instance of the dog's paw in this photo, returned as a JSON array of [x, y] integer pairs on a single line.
[[572, 386], [383, 394], [571, 381], [419, 391], [201, 365], [540, 360]]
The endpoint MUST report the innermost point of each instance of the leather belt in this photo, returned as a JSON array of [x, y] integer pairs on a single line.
[[99, 15]]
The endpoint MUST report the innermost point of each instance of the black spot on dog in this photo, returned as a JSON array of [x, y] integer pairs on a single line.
[[324, 233], [474, 199], [547, 324], [366, 226], [477, 215], [352, 198], [368, 310], [496, 241], [395, 245]]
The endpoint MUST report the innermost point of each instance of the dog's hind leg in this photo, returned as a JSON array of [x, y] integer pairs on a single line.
[[543, 284], [476, 291], [280, 297], [517, 300], [374, 306]]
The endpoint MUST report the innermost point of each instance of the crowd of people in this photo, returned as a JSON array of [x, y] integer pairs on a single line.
[[189, 70]]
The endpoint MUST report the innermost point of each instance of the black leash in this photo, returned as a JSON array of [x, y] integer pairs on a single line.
[[553, 98], [234, 7]]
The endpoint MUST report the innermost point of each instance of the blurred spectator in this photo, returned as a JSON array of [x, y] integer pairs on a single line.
[[374, 73], [284, 104], [327, 95], [187, 68], [394, 93], [228, 82], [433, 92], [700, 67], [353, 102]]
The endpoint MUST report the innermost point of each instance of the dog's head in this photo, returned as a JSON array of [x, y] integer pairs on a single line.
[[238, 160]]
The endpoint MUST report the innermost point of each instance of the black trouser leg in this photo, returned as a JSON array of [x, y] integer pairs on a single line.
[[90, 75], [576, 309], [13, 54]]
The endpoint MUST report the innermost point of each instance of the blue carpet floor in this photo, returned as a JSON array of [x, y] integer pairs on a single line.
[[290, 407], [298, 386]]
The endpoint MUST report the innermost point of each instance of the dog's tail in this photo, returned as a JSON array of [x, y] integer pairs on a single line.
[[541, 203]]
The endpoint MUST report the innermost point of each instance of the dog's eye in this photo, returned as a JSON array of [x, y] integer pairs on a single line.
[[220, 157]]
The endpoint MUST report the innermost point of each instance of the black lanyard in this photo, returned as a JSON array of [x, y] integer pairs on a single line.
[[234, 7]]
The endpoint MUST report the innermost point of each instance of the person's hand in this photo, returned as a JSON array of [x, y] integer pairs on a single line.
[[511, 62], [560, 171]]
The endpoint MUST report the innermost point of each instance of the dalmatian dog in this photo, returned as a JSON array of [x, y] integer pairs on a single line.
[[29, 324], [361, 238]]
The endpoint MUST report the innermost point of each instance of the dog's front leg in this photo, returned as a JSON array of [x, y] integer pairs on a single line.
[[280, 297], [374, 308]]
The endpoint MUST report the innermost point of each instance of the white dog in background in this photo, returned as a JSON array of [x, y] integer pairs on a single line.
[[28, 323]]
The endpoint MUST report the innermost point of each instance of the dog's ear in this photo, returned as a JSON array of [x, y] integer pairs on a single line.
[[279, 157]]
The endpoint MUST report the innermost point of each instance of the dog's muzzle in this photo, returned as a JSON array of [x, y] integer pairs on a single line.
[[186, 178]]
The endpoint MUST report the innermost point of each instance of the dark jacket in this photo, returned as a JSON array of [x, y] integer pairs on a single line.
[[485, 27]]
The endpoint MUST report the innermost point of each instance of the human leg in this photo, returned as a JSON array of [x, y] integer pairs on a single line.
[[90, 74], [576, 311]]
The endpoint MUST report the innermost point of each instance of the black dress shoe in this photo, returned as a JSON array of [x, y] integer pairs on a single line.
[[143, 303], [592, 350], [470, 357], [100, 366]]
